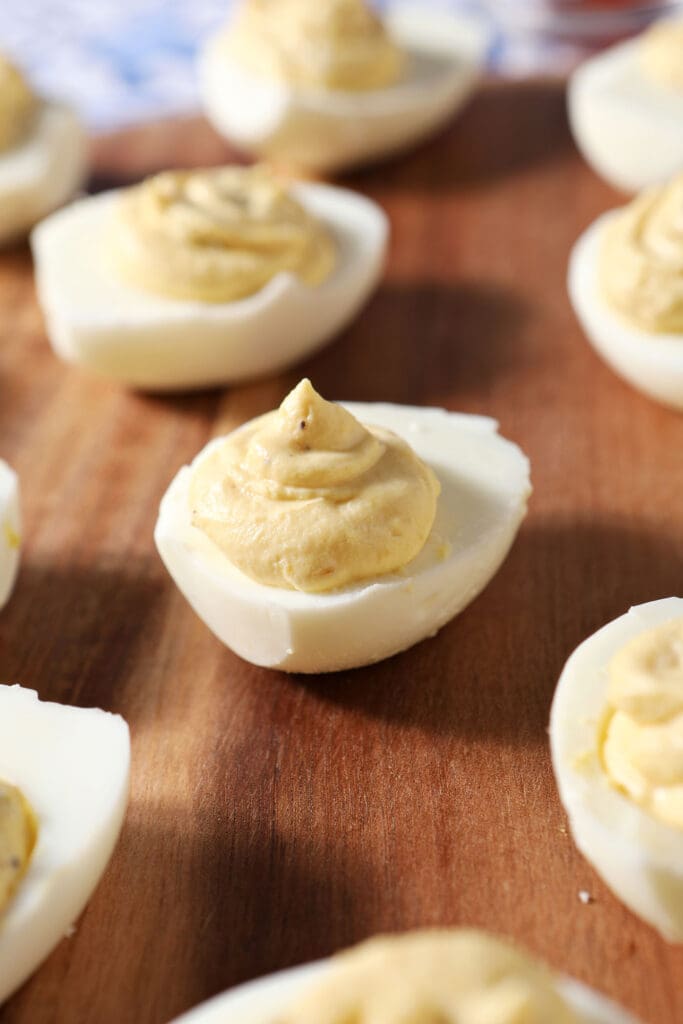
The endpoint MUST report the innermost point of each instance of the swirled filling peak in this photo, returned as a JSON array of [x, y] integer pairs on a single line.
[[308, 498], [641, 259], [319, 44], [643, 737], [215, 235], [460, 976], [18, 105], [661, 53], [17, 839]]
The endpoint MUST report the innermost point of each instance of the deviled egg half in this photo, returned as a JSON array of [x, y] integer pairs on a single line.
[[63, 794], [455, 976], [626, 286], [328, 85], [626, 108], [199, 278], [616, 733], [321, 536], [10, 530], [43, 154]]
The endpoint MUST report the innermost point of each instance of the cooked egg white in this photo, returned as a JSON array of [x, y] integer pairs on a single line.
[[325, 130], [71, 767], [105, 325], [41, 171], [484, 490], [650, 361], [10, 530], [627, 124], [638, 856], [263, 1001]]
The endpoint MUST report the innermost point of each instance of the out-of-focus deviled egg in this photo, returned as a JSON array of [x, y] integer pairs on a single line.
[[626, 108], [43, 153], [626, 286], [616, 732], [63, 794], [10, 530], [321, 537], [455, 976], [326, 84], [199, 278]]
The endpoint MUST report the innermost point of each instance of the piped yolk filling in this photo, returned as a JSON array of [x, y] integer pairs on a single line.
[[661, 53], [18, 105], [18, 833], [329, 44], [460, 976], [642, 741], [307, 498]]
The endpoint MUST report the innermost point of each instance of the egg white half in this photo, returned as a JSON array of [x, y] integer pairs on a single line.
[[628, 128], [96, 320], [260, 1002], [10, 530], [639, 857], [326, 130], [650, 361], [72, 765], [43, 171], [485, 487]]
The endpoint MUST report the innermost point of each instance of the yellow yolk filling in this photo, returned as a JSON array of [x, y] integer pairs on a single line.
[[661, 53], [215, 235], [307, 498], [642, 746], [328, 44], [18, 832], [440, 977], [641, 259], [18, 104]]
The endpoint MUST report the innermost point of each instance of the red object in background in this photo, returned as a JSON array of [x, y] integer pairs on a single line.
[[583, 25]]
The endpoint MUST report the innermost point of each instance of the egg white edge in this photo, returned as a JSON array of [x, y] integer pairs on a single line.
[[424, 105], [50, 897], [261, 1001], [630, 141], [637, 856], [651, 362], [410, 606], [43, 171], [10, 518], [152, 342]]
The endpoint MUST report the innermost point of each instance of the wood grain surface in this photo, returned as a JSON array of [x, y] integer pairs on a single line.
[[274, 819]]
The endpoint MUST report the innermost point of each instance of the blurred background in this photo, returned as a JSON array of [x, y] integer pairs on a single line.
[[126, 61]]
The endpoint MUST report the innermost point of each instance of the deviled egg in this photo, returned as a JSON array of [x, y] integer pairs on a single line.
[[456, 976], [328, 85], [63, 794], [10, 530], [321, 537], [43, 153], [616, 733], [626, 285], [198, 278], [626, 108]]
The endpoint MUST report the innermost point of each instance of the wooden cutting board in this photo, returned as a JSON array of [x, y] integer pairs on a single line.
[[274, 819]]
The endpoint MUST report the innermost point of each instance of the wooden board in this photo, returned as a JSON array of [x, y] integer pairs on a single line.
[[274, 819]]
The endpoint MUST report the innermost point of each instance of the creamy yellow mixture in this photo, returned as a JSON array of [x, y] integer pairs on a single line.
[[308, 498], [319, 44], [433, 977], [17, 839], [18, 105], [641, 259], [215, 235], [642, 748], [661, 53]]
